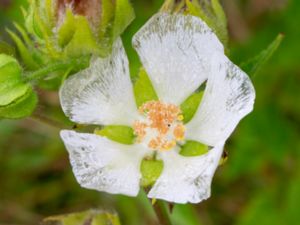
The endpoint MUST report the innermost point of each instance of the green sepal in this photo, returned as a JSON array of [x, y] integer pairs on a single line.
[[11, 85], [213, 14], [67, 29], [253, 66], [116, 16], [92, 217], [143, 89], [7, 49], [150, 170], [50, 12], [190, 106], [39, 23], [24, 34], [20, 108], [24, 52], [124, 15], [106, 27], [83, 41], [193, 148], [31, 21], [220, 25], [121, 134]]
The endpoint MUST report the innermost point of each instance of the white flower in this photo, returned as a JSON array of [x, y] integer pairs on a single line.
[[179, 53]]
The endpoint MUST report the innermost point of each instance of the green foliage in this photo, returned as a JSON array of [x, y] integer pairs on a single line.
[[93, 217], [254, 65], [190, 105], [151, 170], [193, 148], [121, 134], [143, 89]]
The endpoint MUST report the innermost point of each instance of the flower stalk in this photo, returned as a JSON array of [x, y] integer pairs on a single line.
[[162, 212], [74, 64]]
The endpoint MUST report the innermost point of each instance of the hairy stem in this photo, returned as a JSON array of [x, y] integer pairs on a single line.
[[47, 120], [77, 64]]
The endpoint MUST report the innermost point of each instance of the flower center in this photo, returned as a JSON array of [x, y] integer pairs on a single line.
[[161, 126]]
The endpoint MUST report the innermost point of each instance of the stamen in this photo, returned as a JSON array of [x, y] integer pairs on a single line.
[[162, 125], [179, 132]]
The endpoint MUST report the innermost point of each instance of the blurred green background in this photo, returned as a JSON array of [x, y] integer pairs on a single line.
[[259, 184]]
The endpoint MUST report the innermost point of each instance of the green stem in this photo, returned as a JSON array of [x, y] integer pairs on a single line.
[[77, 64], [162, 212], [47, 120]]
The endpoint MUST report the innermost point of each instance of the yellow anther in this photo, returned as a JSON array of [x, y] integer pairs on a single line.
[[169, 145], [180, 117]]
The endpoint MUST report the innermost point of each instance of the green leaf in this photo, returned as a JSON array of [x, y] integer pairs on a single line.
[[253, 66], [151, 170], [121, 134], [11, 85], [143, 89], [21, 107], [193, 148], [92, 217], [190, 106]]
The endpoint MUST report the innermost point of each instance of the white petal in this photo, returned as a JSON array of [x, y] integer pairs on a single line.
[[101, 94], [175, 51], [229, 96], [186, 179], [104, 165]]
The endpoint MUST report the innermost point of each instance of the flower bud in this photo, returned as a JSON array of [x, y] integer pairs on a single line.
[[17, 98], [72, 28], [209, 11]]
